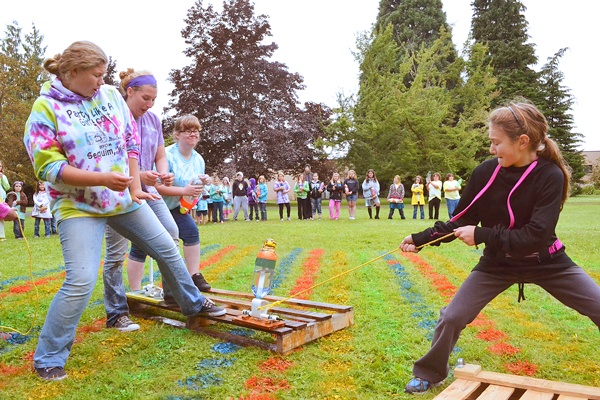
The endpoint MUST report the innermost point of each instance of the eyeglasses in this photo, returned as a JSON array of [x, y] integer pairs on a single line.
[[190, 133]]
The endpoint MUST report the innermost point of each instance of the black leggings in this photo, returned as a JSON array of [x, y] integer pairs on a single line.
[[287, 206], [434, 205]]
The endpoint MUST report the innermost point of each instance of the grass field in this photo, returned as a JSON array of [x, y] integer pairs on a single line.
[[396, 302]]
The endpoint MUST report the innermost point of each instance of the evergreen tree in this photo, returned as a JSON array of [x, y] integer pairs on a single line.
[[556, 106], [246, 103], [425, 126], [417, 23], [21, 75], [502, 27]]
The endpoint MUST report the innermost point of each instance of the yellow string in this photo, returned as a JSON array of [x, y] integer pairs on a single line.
[[37, 295], [271, 305]]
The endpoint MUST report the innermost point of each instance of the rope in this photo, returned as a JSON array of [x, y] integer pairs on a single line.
[[37, 294], [271, 305]]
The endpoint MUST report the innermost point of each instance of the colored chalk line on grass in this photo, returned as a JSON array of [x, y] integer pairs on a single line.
[[210, 368], [487, 330]]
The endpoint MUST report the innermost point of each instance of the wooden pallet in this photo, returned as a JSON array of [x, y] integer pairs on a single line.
[[472, 383], [304, 321]]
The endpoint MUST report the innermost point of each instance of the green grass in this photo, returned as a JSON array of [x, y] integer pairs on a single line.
[[394, 311]]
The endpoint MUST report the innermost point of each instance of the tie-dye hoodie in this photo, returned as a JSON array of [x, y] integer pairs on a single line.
[[94, 134]]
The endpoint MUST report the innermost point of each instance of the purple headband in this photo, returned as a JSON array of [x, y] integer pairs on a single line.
[[141, 81]]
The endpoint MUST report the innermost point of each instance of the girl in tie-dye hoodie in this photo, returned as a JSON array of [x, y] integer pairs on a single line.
[[83, 141]]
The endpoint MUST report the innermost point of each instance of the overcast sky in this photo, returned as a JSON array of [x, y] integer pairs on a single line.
[[315, 38]]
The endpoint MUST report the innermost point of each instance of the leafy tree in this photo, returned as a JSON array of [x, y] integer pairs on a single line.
[[556, 106], [110, 78], [502, 27], [246, 103], [21, 75]]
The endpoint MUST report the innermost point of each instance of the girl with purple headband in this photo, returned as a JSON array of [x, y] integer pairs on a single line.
[[139, 90], [511, 204]]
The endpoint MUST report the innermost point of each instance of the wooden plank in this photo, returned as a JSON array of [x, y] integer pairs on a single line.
[[301, 327], [474, 372], [565, 397], [298, 302], [496, 392], [460, 389], [535, 395], [275, 310], [230, 337]]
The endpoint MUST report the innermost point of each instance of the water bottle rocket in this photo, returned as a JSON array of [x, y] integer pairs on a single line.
[[264, 268]]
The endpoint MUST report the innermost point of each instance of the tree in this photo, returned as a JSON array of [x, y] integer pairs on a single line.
[[502, 27], [110, 78], [408, 130], [417, 23], [246, 103], [556, 106], [21, 75]]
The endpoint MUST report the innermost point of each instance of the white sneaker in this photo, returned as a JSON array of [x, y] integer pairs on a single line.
[[125, 324]]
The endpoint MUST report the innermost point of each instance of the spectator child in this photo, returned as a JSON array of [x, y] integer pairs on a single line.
[[282, 188], [202, 207], [335, 189], [435, 196], [316, 193], [21, 206], [239, 190], [451, 188], [41, 210], [351, 188], [4, 186], [227, 200], [301, 190], [252, 199], [370, 187], [418, 197], [263, 193], [396, 198], [217, 191]]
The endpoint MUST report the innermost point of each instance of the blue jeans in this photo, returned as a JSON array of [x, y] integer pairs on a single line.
[[17, 228], [451, 204], [81, 241], [217, 209], [115, 300], [316, 206], [263, 211], [36, 226]]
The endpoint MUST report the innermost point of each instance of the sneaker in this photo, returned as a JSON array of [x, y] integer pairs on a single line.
[[288, 218], [51, 373], [281, 219], [211, 309], [418, 386], [125, 324], [200, 282]]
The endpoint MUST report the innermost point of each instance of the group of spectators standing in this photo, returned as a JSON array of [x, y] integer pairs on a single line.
[[220, 199], [14, 197]]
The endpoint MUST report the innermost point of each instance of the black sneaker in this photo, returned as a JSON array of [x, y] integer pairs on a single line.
[[211, 309], [51, 373], [125, 324], [200, 282]]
